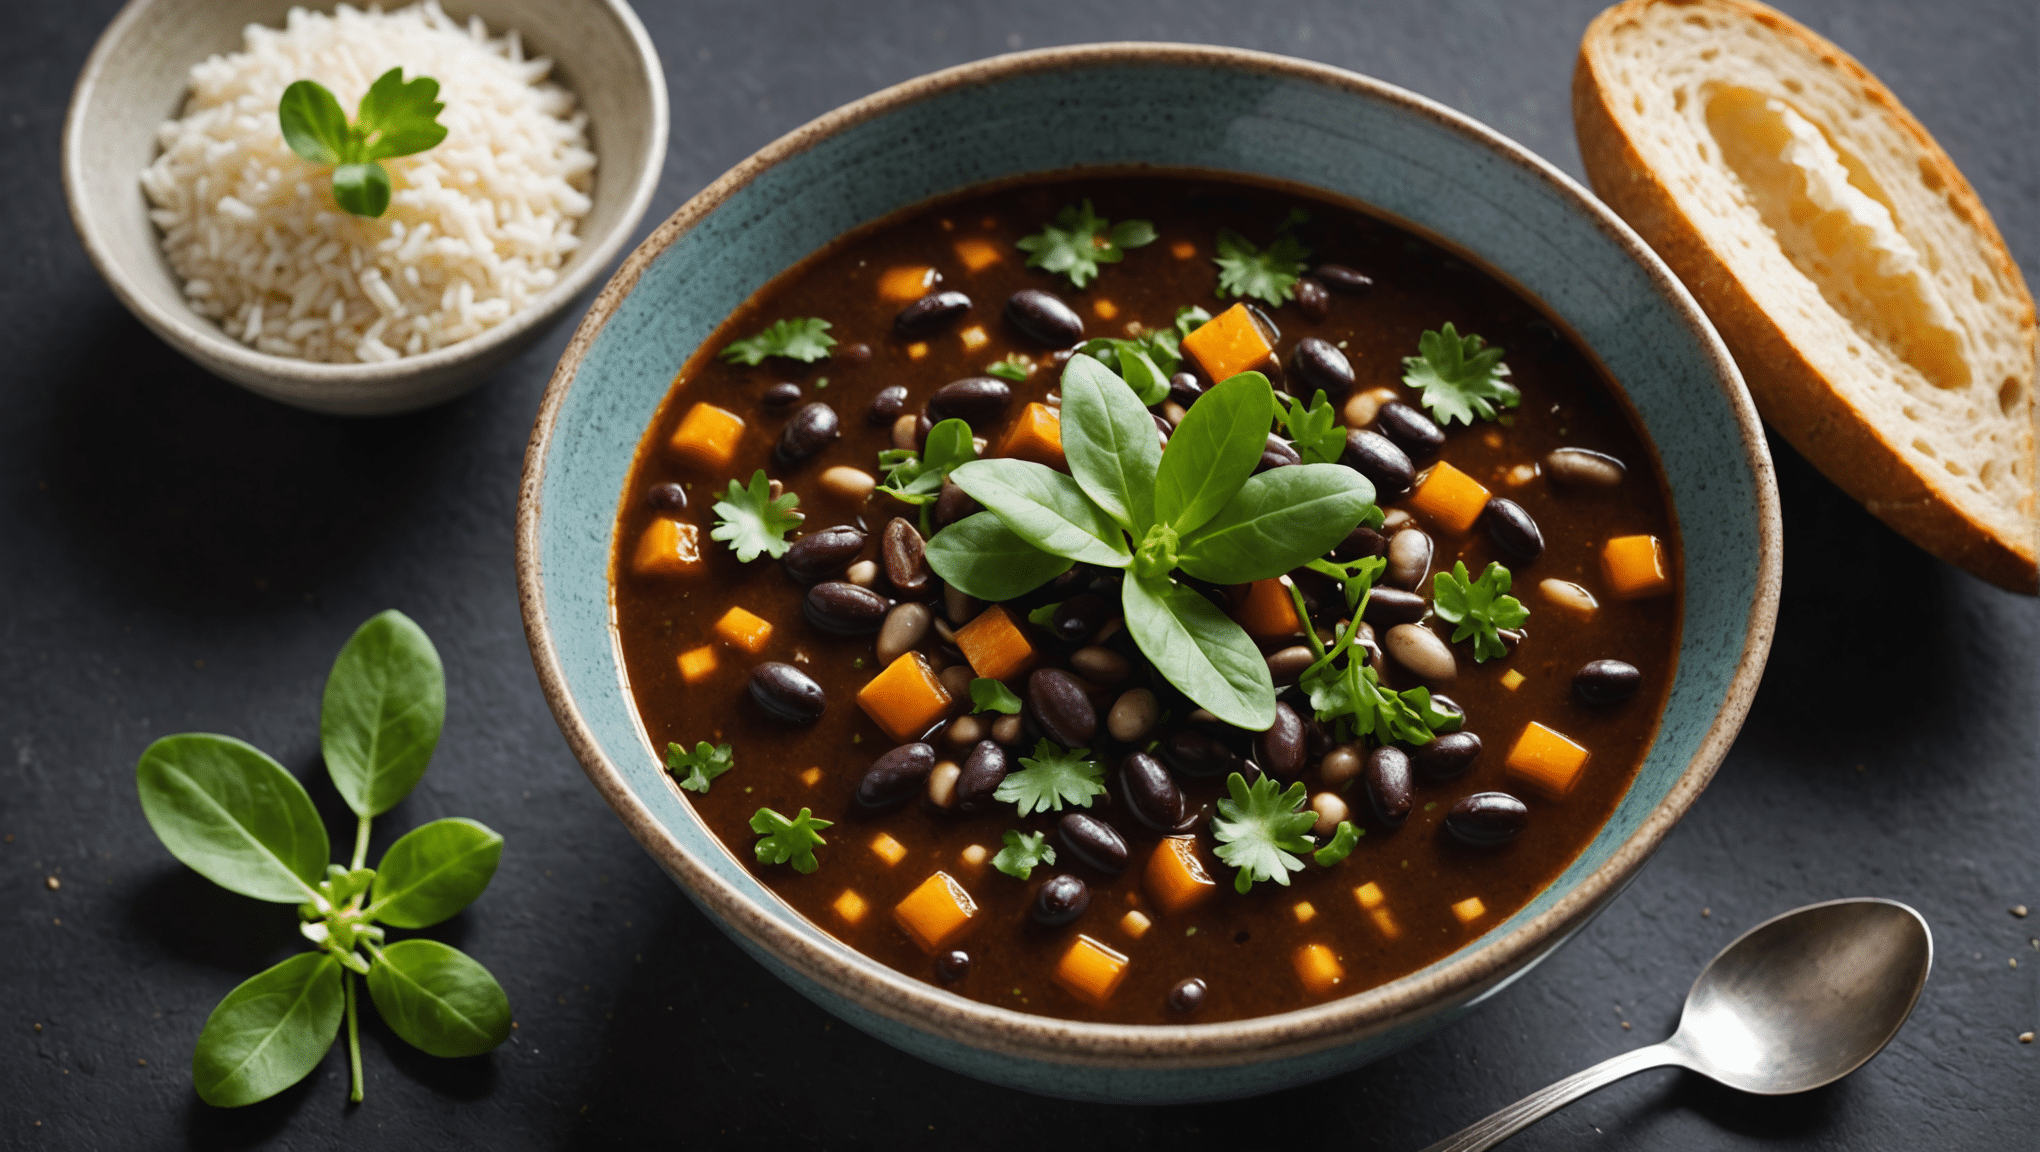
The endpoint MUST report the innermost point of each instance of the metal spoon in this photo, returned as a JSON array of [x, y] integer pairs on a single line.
[[1799, 1001]]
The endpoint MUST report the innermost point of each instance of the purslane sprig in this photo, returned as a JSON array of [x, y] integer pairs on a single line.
[[393, 119], [785, 841], [1023, 853], [698, 769], [239, 819]]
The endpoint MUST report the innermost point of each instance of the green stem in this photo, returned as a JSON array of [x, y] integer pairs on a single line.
[[353, 1028], [360, 843]]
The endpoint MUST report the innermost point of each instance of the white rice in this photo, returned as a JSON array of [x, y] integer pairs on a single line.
[[476, 228]]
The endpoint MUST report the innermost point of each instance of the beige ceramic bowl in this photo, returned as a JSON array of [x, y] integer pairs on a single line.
[[137, 77]]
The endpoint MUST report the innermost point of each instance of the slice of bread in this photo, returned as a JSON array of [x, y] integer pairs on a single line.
[[1854, 274]]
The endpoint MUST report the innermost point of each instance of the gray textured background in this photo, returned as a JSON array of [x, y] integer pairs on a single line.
[[176, 554]]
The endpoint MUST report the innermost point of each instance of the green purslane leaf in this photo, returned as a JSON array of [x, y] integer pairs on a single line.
[[1279, 520], [916, 477], [1011, 368], [1260, 828], [361, 189], [398, 119], [1051, 778], [1080, 240], [697, 769], [1047, 509], [393, 119], [1109, 440], [1344, 838], [1213, 451], [269, 1032], [1314, 430], [1480, 608], [1461, 378], [314, 125], [991, 696], [1269, 275], [384, 707], [982, 557], [434, 871], [1206, 655], [1023, 853], [1144, 376], [787, 841], [802, 338], [233, 815], [753, 522], [438, 998]]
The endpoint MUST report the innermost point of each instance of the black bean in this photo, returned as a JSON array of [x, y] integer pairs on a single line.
[[784, 394], [1361, 541], [1281, 749], [1320, 364], [1094, 842], [894, 777], [1195, 753], [1076, 618], [1278, 453], [1446, 757], [1265, 323], [1412, 431], [852, 353], [812, 428], [1150, 792], [1057, 705], [1585, 467], [887, 405], [1340, 278], [1388, 607], [1187, 996], [1044, 317], [1387, 784], [667, 497], [905, 556], [983, 770], [820, 555], [1606, 682], [1286, 665], [1184, 389], [1512, 529], [787, 692], [1061, 899], [1312, 299], [1162, 428], [1376, 457], [1486, 818], [931, 313], [953, 504], [952, 966], [975, 400], [844, 609]]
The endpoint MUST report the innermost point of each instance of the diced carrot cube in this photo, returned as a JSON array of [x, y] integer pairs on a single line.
[[907, 283], [1636, 567], [1183, 250], [1135, 924], [1470, 909], [1386, 923], [906, 699], [1036, 435], [668, 548], [1091, 971], [1370, 896], [1448, 497], [917, 349], [1318, 968], [995, 646], [935, 912], [973, 338], [889, 850], [1513, 679], [1265, 609], [707, 436], [851, 907], [1229, 344], [1176, 877], [811, 777], [1546, 760], [743, 629], [1304, 911], [1105, 309], [698, 664], [976, 254]]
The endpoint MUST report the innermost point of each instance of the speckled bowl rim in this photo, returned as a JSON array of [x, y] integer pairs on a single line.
[[930, 1010], [187, 328]]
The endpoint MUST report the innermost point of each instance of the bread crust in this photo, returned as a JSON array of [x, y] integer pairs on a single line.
[[1790, 392]]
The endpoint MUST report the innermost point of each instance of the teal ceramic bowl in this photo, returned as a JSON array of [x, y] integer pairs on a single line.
[[1179, 107]]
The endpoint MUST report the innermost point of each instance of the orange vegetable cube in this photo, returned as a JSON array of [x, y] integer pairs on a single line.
[[1231, 343], [973, 338], [1318, 968], [1304, 911], [1176, 877], [698, 664], [1513, 679], [1105, 309], [1265, 609], [744, 630], [1470, 909], [1183, 250], [889, 850], [1370, 896], [668, 548], [1135, 924], [1546, 760], [907, 283], [811, 777], [851, 907], [1090, 970], [1636, 567], [995, 646], [977, 255], [917, 349], [936, 912], [707, 437], [1386, 923], [1036, 435], [906, 699], [1449, 498]]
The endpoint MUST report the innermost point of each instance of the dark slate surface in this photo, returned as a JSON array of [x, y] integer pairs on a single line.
[[176, 554]]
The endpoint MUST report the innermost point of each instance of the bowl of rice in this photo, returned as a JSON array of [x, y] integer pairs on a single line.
[[233, 248]]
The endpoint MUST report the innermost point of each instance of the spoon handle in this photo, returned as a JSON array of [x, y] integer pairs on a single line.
[[1507, 1122]]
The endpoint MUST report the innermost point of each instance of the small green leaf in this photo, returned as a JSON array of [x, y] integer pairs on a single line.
[[234, 816], [1343, 841], [362, 189], [984, 558], [1051, 778], [434, 871], [1008, 369], [1480, 608], [1023, 853], [1206, 654], [1213, 451], [803, 338], [1314, 430], [1279, 520], [384, 707], [398, 119], [1460, 377], [1044, 616], [1045, 508], [1080, 240], [1259, 829], [788, 841], [1143, 376], [1270, 275], [754, 522], [1110, 441], [313, 124], [269, 1032], [992, 696], [439, 999], [916, 477], [698, 769]]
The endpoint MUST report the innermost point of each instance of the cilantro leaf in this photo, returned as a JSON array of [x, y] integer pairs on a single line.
[[1460, 376], [916, 477], [802, 338], [393, 119], [1480, 607], [1080, 240], [992, 696], [702, 765], [1051, 778], [1015, 368], [1341, 846], [1259, 828], [1315, 430], [1022, 853], [1270, 274], [788, 841], [1343, 688], [752, 521]]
